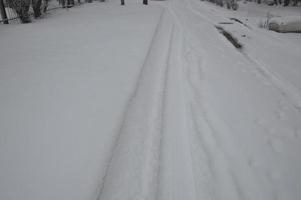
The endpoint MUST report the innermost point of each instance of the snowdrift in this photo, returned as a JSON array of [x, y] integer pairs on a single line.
[[285, 24]]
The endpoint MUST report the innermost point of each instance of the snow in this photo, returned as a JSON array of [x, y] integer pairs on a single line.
[[150, 102], [64, 89], [135, 159], [250, 103], [285, 24]]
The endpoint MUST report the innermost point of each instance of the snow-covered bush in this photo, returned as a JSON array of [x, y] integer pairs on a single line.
[[264, 23], [231, 4], [285, 24], [281, 24]]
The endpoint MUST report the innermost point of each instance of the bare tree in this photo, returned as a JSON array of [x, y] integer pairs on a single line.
[[21, 7], [68, 3], [36, 6]]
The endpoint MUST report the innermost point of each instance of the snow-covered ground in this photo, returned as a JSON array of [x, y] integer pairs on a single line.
[[105, 102], [65, 82]]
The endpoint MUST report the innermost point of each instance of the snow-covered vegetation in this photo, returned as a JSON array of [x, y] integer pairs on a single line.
[[285, 24]]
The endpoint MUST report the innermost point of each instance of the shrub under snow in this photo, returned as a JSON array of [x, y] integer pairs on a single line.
[[285, 24]]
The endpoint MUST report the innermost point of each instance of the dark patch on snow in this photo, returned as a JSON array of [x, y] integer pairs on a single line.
[[229, 37], [225, 23], [239, 21]]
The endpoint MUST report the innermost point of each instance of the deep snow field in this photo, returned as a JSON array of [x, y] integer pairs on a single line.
[[103, 102]]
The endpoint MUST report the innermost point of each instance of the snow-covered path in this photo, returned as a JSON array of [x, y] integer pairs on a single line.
[[247, 121], [181, 114], [136, 155], [204, 120]]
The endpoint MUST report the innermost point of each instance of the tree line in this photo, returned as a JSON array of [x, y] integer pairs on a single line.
[[22, 7]]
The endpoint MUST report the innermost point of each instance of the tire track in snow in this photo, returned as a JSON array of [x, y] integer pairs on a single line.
[[127, 108], [205, 139], [287, 90], [132, 171], [232, 177], [176, 175], [193, 164], [227, 164]]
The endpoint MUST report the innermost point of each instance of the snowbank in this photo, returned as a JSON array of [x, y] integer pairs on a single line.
[[285, 24]]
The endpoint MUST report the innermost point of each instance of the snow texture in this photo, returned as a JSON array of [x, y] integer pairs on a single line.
[[285, 24], [134, 102]]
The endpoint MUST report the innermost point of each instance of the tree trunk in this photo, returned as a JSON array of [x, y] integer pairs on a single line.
[[122, 2], [145, 2], [70, 3], [36, 5], [24, 15], [3, 12], [286, 2]]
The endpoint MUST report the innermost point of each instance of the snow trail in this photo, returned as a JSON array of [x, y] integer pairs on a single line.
[[199, 155], [210, 71], [202, 120], [135, 158], [176, 177]]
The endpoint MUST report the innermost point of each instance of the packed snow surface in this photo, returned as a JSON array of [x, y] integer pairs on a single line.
[[104, 102]]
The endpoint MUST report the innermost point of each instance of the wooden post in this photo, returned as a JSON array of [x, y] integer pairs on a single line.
[[145, 2], [3, 12], [122, 2]]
